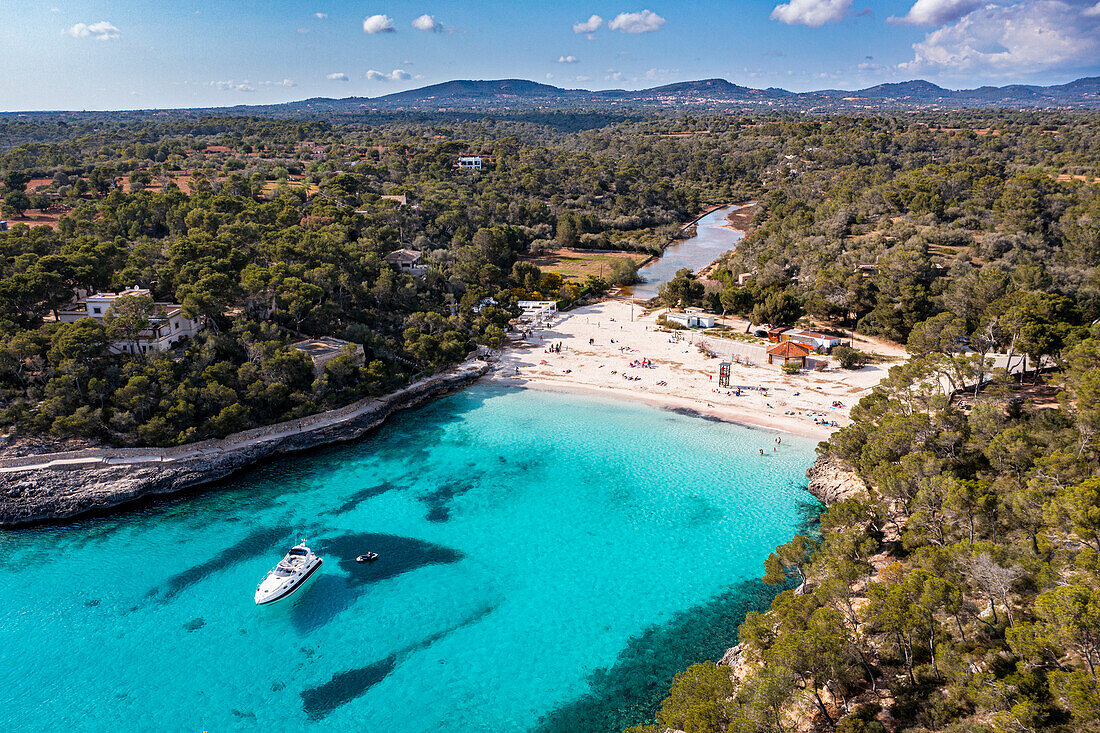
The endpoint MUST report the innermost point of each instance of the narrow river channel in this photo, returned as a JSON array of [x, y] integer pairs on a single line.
[[713, 238]]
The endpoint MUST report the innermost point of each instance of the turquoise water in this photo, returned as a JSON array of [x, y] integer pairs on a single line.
[[542, 558]]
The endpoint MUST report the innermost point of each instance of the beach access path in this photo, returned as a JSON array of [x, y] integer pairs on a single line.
[[600, 342]]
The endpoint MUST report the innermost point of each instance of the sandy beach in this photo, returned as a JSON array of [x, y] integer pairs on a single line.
[[599, 344]]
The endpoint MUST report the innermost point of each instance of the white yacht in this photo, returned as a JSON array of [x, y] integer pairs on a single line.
[[288, 575]]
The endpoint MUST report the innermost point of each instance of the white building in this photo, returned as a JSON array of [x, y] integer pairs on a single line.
[[472, 162], [817, 341], [167, 324], [485, 303], [406, 260], [537, 310], [691, 319]]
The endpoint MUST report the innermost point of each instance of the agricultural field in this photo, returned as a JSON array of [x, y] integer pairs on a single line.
[[579, 264]]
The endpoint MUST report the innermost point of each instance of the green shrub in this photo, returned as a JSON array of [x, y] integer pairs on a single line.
[[849, 358]]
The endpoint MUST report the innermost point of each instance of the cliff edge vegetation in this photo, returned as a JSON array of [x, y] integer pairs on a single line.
[[961, 594]]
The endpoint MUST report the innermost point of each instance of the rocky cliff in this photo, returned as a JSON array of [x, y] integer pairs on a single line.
[[833, 480], [59, 491]]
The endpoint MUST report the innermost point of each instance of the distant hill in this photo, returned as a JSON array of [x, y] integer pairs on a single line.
[[499, 90], [466, 96], [720, 93], [916, 89]]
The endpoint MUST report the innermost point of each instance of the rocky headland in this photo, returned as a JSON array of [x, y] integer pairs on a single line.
[[61, 485], [832, 480]]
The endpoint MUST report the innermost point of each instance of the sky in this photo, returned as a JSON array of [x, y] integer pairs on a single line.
[[141, 54]]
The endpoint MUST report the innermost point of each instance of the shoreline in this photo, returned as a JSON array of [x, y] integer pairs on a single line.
[[680, 405], [740, 219], [606, 349], [49, 488]]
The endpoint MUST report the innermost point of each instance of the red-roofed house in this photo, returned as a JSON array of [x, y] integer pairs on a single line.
[[787, 352], [816, 341]]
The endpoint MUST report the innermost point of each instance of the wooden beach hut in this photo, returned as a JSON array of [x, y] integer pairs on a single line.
[[788, 352]]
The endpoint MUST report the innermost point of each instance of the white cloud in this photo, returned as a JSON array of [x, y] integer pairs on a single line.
[[1093, 12], [101, 31], [378, 24], [395, 75], [233, 86], [581, 77], [284, 83], [1028, 37], [567, 59], [303, 31], [337, 76], [427, 23], [589, 26], [812, 13], [320, 16], [937, 12], [613, 75], [645, 21]]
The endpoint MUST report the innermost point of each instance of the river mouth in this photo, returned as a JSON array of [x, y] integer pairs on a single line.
[[527, 540], [713, 238]]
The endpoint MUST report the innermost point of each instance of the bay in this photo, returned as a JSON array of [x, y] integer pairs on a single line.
[[544, 559]]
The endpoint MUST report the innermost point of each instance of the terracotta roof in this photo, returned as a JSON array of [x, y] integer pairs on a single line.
[[789, 350], [402, 255]]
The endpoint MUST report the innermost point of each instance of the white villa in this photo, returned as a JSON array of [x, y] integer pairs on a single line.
[[167, 326], [472, 162]]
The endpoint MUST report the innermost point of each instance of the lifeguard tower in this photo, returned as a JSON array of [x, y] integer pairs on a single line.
[[724, 374]]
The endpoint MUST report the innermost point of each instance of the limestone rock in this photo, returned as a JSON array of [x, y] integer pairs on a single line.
[[734, 659], [833, 480], [51, 493]]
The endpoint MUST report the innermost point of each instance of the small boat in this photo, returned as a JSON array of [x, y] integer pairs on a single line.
[[368, 557], [289, 575]]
